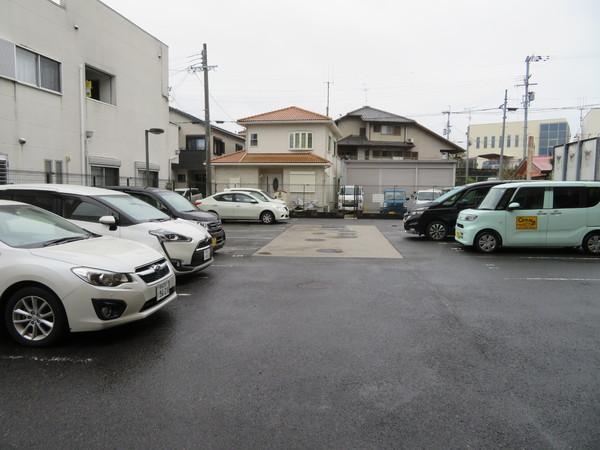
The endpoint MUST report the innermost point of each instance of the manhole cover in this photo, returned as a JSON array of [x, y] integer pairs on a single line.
[[263, 253], [329, 250], [314, 240]]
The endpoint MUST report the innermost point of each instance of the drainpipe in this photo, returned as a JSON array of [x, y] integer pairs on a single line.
[[82, 132]]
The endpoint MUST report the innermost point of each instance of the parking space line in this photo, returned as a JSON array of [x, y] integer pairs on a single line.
[[560, 258], [553, 279]]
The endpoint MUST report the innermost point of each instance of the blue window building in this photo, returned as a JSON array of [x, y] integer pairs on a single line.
[[552, 134]]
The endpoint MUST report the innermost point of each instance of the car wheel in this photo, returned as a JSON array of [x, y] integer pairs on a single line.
[[436, 231], [35, 317], [487, 242], [591, 244], [267, 217]]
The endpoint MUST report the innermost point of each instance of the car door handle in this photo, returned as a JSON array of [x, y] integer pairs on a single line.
[[542, 213], [555, 213]]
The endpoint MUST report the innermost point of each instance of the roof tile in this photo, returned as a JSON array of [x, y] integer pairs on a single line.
[[289, 114], [269, 158]]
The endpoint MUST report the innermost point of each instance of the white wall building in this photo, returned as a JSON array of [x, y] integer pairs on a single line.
[[79, 85]]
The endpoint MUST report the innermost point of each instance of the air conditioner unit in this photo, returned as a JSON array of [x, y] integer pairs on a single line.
[[410, 141]]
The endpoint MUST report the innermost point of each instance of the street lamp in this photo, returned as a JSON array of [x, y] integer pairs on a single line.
[[153, 131]]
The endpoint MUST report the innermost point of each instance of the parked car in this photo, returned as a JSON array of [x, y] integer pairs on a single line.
[[534, 214], [178, 207], [394, 201], [244, 206], [118, 214], [437, 220], [56, 277], [192, 194], [426, 196], [351, 198], [260, 194]]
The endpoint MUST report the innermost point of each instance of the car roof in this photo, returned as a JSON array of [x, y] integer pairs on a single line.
[[137, 188], [10, 202], [62, 188], [517, 184], [242, 189]]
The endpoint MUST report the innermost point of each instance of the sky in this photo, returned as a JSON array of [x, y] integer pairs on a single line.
[[415, 59]]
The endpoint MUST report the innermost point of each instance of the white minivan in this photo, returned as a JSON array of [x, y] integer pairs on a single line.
[[534, 214], [112, 213]]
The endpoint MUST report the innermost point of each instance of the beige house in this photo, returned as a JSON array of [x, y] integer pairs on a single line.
[[291, 152], [484, 139], [187, 136], [79, 85], [372, 134]]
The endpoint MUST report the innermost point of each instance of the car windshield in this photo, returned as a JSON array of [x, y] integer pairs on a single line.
[[447, 195], [177, 202], [394, 195], [492, 198], [135, 208], [427, 195], [25, 226], [349, 190]]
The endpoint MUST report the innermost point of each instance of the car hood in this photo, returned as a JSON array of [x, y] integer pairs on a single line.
[[179, 226], [107, 253], [200, 216]]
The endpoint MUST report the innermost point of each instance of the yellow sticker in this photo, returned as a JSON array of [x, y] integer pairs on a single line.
[[526, 223]]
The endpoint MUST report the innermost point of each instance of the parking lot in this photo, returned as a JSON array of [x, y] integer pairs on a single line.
[[383, 340]]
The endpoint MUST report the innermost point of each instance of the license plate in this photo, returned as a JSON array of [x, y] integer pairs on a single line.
[[162, 291], [213, 242], [459, 234], [207, 254]]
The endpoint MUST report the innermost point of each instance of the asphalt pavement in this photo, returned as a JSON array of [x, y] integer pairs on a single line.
[[442, 348]]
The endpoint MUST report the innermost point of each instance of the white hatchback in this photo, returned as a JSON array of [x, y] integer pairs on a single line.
[[56, 276], [244, 206], [534, 214], [117, 214]]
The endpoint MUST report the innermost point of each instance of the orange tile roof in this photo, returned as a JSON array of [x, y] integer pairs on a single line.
[[270, 158], [289, 114]]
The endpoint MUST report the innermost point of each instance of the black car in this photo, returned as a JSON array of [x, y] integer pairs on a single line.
[[177, 206], [437, 219]]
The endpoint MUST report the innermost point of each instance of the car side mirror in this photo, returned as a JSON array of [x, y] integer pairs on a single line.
[[254, 202], [513, 205], [109, 221]]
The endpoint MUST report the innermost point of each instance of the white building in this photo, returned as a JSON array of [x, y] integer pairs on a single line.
[[591, 124], [79, 85]]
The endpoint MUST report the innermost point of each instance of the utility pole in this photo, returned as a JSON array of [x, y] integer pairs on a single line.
[[529, 96], [530, 151], [328, 83], [204, 67], [468, 144], [448, 126], [503, 138]]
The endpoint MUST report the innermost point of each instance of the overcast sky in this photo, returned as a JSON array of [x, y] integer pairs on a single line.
[[411, 58]]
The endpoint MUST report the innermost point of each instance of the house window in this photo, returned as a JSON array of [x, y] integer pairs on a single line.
[[391, 130], [37, 70], [485, 142], [253, 139], [329, 144], [516, 140], [493, 143], [301, 140], [59, 171], [3, 169], [104, 176], [377, 128], [153, 181], [99, 85], [508, 141], [195, 143], [239, 147], [218, 147], [478, 142], [181, 177]]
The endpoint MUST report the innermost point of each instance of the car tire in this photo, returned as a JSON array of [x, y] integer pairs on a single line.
[[267, 217], [487, 241], [591, 244], [34, 317], [436, 230]]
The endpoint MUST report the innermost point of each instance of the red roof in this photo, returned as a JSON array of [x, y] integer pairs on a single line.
[[541, 166], [289, 114], [270, 158]]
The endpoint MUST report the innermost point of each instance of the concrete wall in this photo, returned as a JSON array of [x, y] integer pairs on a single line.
[[52, 123], [591, 123], [577, 161], [248, 176]]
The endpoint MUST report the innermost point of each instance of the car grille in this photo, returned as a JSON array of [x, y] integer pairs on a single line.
[[153, 301], [154, 271], [214, 227], [198, 257]]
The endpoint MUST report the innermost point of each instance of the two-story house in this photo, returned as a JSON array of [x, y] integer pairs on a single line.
[[187, 134], [373, 134], [291, 151]]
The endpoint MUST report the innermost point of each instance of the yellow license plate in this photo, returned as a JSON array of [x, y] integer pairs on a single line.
[[526, 223], [213, 242], [459, 234]]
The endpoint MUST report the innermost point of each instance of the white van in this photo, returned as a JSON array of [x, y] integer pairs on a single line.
[[534, 214], [112, 213]]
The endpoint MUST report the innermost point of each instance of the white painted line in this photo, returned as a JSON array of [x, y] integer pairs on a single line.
[[50, 359], [252, 238], [553, 279], [222, 265], [560, 258], [183, 294]]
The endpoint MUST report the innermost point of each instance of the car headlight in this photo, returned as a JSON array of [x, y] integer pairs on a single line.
[[97, 277], [204, 224], [417, 212], [169, 236], [470, 217]]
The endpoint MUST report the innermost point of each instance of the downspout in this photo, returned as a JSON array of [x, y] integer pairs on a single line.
[[82, 136]]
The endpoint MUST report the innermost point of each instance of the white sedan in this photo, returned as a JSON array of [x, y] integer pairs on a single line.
[[56, 277], [244, 206]]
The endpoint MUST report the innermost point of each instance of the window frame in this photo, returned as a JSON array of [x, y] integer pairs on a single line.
[[253, 139], [38, 74], [300, 140]]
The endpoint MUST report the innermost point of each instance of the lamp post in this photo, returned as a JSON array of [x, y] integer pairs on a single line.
[[504, 109], [153, 131]]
